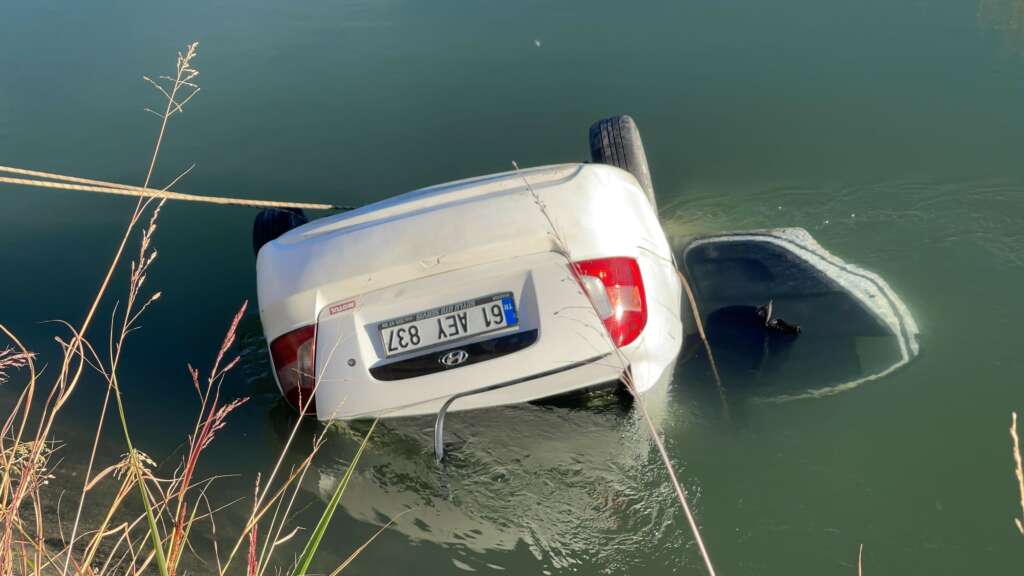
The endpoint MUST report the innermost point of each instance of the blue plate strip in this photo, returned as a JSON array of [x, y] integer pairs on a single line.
[[510, 311]]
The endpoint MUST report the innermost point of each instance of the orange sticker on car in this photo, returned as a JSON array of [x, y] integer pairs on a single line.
[[343, 307]]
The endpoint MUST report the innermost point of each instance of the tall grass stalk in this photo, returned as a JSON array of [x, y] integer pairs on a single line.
[[1018, 471], [306, 558], [172, 504], [184, 74], [73, 364]]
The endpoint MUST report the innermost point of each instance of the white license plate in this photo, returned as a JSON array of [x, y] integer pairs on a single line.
[[449, 323]]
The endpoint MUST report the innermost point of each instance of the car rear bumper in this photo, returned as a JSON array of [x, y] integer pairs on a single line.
[[581, 375]]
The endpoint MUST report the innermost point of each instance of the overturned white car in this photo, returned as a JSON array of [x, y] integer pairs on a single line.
[[493, 290], [536, 283]]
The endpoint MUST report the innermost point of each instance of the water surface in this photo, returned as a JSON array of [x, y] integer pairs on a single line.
[[892, 130]]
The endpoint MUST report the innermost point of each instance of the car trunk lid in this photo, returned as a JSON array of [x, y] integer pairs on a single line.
[[554, 325]]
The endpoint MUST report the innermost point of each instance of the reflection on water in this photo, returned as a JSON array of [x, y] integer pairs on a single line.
[[572, 485], [574, 482]]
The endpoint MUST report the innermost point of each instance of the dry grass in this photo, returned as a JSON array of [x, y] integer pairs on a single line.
[[1018, 472], [145, 518]]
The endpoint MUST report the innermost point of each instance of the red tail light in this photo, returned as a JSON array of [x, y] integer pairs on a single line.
[[294, 356], [616, 289]]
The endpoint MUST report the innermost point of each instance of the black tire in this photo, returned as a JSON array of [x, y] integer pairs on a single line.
[[616, 142], [273, 222]]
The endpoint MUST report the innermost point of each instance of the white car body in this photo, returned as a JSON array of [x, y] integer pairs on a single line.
[[451, 243]]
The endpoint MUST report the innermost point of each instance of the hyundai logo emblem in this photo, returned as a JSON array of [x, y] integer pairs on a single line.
[[453, 358]]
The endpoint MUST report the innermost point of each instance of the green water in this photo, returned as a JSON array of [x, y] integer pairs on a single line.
[[891, 130]]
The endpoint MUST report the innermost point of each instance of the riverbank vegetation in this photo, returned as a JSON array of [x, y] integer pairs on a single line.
[[142, 518]]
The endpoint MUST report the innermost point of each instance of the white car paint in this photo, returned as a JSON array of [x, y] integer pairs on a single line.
[[461, 240]]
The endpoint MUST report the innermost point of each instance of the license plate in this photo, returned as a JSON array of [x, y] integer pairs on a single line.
[[448, 323]]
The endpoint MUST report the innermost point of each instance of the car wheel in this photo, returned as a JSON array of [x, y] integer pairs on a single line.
[[616, 142], [273, 222]]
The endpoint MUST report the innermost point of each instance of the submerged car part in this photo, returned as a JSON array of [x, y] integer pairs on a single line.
[[836, 326]]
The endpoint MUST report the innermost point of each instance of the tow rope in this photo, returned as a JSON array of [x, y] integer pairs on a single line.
[[62, 182], [704, 338]]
